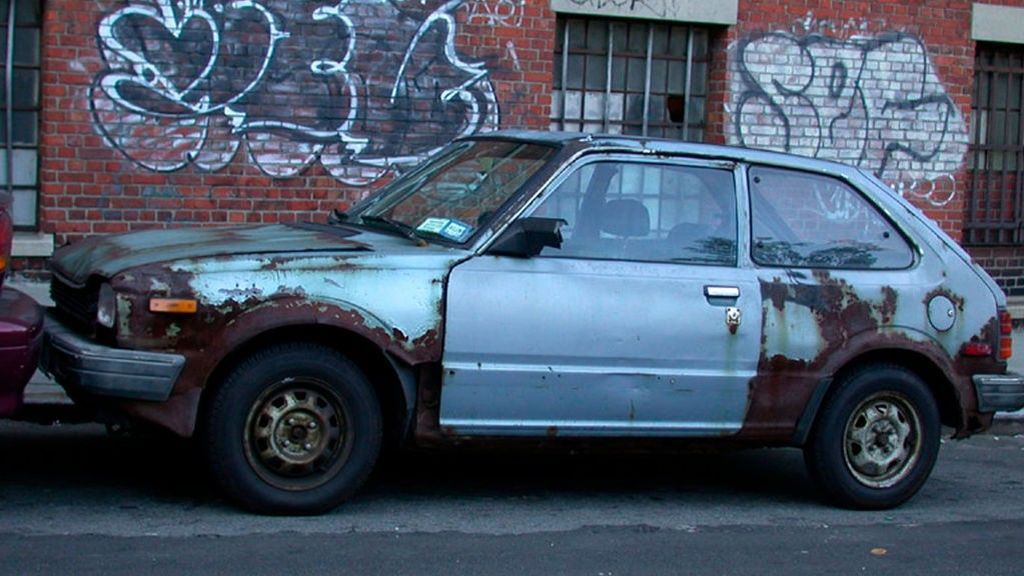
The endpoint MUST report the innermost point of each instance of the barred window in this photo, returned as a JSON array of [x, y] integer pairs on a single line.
[[996, 158], [630, 77], [20, 27]]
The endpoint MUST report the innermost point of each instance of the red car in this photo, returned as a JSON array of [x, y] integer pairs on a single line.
[[21, 327]]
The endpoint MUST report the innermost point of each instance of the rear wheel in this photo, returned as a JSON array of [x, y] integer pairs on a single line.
[[294, 429], [876, 439]]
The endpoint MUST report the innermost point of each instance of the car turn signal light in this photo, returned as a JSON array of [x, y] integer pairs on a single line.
[[1005, 335], [173, 305]]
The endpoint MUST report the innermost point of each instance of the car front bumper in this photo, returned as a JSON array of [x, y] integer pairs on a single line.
[[21, 331], [82, 366], [999, 392]]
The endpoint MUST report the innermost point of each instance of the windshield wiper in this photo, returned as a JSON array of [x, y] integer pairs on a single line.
[[402, 228], [337, 217]]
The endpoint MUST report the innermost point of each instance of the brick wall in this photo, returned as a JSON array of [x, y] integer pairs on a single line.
[[1005, 264], [166, 113]]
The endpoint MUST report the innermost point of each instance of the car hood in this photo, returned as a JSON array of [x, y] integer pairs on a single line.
[[107, 256]]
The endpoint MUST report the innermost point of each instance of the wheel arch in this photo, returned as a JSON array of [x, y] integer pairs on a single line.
[[391, 378], [922, 365]]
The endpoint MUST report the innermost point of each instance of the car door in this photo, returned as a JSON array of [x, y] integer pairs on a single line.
[[640, 324]]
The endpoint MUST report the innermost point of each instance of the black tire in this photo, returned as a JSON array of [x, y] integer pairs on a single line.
[[294, 429], [876, 439]]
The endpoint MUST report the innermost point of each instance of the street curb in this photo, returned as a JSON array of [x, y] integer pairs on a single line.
[[1006, 426]]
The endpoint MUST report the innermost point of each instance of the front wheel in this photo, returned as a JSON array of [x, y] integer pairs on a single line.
[[294, 429], [876, 439]]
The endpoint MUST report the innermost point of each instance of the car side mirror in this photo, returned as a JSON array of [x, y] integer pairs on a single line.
[[526, 237]]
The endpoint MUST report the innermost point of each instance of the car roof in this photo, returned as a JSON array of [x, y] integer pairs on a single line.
[[584, 140]]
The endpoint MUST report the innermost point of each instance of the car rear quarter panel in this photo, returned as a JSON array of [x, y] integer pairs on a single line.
[[819, 323]]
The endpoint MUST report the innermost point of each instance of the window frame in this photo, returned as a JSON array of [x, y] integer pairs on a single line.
[[9, 20], [690, 128], [677, 161]]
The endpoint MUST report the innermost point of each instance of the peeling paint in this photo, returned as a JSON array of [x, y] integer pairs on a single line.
[[155, 285], [124, 314]]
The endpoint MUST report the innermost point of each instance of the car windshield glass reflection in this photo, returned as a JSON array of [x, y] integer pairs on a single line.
[[458, 192]]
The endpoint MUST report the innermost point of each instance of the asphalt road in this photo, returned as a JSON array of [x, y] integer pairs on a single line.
[[74, 500]]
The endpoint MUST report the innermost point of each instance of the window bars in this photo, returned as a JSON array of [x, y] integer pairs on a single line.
[[995, 213], [20, 28], [630, 77]]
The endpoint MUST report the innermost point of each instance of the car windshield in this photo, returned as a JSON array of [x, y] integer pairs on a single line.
[[456, 193]]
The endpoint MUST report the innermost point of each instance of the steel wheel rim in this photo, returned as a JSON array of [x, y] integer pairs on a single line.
[[882, 440], [296, 434]]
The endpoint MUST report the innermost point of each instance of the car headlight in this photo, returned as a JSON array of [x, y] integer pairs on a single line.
[[106, 307]]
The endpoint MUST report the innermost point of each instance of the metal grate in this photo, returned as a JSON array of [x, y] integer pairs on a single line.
[[20, 30], [995, 213], [630, 77], [76, 305]]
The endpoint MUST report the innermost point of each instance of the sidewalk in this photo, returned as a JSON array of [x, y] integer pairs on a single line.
[[42, 390]]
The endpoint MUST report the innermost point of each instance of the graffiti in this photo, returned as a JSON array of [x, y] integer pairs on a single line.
[[363, 87], [836, 28], [838, 205], [504, 13], [511, 48], [655, 8], [874, 102]]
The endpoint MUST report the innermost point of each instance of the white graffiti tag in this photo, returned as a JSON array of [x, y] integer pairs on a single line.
[[505, 13], [874, 102], [190, 82], [656, 8]]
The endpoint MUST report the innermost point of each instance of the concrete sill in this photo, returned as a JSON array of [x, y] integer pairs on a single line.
[[32, 245]]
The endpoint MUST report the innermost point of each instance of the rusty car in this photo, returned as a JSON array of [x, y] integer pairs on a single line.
[[555, 290], [21, 325]]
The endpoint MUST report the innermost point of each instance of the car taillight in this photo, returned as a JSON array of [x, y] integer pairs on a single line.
[[1005, 335], [6, 238]]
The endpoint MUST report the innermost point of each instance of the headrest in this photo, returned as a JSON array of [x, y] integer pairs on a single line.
[[626, 218]]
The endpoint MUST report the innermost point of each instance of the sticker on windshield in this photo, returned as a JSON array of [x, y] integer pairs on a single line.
[[456, 230], [446, 227], [433, 225]]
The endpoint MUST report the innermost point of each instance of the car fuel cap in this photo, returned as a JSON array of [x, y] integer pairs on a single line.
[[941, 313]]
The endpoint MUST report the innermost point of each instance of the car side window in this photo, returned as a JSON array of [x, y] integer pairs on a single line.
[[620, 210], [809, 220]]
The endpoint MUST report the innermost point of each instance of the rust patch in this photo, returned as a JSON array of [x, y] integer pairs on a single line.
[[178, 413], [429, 344], [888, 307], [848, 325], [942, 291], [775, 291], [428, 430], [972, 420]]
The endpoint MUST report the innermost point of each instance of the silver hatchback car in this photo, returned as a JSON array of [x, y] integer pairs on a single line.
[[551, 289]]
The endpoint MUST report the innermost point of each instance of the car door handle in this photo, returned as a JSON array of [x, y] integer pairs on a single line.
[[721, 292]]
